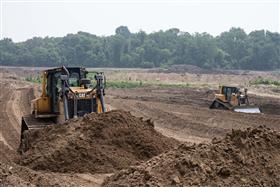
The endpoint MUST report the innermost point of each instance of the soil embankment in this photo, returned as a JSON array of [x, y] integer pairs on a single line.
[[95, 143], [242, 158]]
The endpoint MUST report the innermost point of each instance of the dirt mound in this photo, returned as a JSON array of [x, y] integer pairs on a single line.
[[14, 175], [242, 158], [96, 143], [7, 178]]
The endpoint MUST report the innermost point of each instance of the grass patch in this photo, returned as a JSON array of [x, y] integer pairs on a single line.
[[34, 79], [261, 80], [139, 84], [170, 85], [122, 84]]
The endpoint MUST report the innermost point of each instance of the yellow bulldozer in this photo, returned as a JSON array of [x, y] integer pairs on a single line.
[[232, 98], [66, 93]]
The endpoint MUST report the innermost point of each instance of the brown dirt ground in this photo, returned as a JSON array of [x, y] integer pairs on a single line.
[[96, 143], [179, 113], [242, 158], [14, 175], [184, 114], [15, 97]]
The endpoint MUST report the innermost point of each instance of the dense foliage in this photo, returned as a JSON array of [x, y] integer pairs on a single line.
[[258, 50]]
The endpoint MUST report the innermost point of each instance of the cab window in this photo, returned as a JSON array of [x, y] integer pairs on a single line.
[[74, 80]]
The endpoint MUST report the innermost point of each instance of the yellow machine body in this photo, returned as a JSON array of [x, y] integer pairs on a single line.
[[41, 107], [231, 98], [222, 97], [43, 103], [66, 94]]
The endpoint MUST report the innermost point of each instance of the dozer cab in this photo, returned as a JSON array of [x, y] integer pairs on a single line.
[[232, 98], [66, 94]]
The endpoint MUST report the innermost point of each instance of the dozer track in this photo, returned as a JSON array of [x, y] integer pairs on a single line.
[[217, 104]]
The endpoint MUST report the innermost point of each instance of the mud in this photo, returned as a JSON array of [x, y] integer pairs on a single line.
[[242, 158], [96, 143]]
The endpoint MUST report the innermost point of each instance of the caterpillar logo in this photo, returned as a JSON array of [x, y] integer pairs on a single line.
[[81, 94]]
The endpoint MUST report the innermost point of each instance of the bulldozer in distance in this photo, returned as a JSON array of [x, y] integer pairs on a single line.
[[66, 94], [231, 98]]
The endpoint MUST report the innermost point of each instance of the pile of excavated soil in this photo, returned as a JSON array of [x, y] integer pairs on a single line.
[[7, 176], [96, 143], [13, 175], [242, 158]]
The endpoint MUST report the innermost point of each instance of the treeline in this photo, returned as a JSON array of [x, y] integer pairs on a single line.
[[258, 50]]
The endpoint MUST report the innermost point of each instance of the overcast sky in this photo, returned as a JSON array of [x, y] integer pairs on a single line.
[[21, 19]]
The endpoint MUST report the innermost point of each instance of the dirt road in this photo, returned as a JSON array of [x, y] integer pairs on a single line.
[[15, 99]]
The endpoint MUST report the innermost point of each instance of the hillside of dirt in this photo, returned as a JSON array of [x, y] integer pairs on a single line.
[[96, 143], [242, 158]]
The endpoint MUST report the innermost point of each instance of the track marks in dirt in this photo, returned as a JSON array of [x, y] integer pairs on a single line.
[[15, 103], [184, 114], [8, 121], [182, 125]]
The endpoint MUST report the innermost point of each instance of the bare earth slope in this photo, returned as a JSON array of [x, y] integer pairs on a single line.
[[242, 158], [96, 143], [15, 99]]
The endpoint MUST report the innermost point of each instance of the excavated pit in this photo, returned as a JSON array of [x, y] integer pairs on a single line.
[[242, 158], [95, 143]]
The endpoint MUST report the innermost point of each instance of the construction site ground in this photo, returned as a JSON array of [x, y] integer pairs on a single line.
[[179, 113]]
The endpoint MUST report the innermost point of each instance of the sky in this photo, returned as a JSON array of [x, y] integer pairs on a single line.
[[24, 19]]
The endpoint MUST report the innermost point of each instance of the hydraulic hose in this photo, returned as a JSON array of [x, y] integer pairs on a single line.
[[65, 102], [102, 102]]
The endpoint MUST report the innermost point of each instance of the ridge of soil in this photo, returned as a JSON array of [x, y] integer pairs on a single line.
[[12, 175], [243, 158], [95, 143]]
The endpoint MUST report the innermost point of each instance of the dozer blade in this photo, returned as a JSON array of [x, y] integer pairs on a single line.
[[30, 123], [247, 109]]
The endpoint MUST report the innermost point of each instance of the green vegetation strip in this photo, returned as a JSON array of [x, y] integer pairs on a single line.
[[34, 79], [125, 84], [139, 84], [264, 81]]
